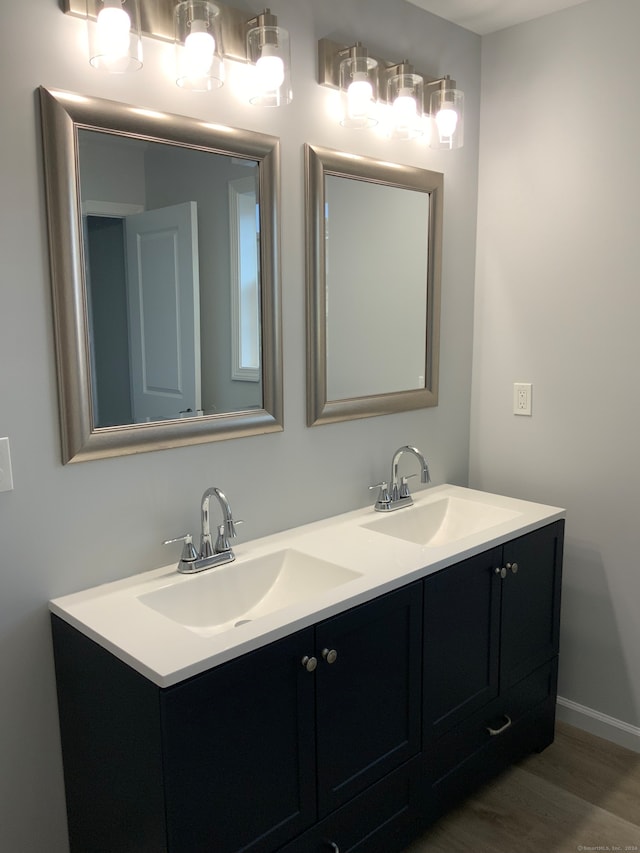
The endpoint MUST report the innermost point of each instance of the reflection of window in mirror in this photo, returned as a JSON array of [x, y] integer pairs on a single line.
[[245, 276]]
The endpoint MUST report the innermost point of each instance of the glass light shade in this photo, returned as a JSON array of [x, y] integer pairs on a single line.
[[115, 45], [447, 117], [405, 93], [269, 51], [359, 89], [199, 63]]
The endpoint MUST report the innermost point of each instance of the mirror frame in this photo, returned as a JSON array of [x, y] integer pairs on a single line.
[[320, 162], [62, 115]]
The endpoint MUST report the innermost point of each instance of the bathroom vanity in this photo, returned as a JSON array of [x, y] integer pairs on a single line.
[[347, 719]]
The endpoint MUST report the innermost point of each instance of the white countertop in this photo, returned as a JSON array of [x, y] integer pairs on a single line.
[[166, 652]]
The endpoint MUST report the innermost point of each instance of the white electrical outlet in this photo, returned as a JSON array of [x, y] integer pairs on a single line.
[[6, 477], [521, 398]]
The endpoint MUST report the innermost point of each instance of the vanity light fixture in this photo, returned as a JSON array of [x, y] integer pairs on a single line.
[[204, 34], [405, 94], [359, 87], [199, 64], [415, 102], [115, 45], [268, 50], [447, 114]]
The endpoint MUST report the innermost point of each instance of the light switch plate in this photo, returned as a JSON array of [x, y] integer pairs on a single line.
[[6, 477]]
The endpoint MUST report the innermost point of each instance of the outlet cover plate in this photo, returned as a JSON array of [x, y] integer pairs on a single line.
[[522, 398]]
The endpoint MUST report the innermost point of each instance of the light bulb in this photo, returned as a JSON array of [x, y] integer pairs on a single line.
[[446, 122], [359, 95], [114, 25], [199, 47], [405, 108], [270, 68]]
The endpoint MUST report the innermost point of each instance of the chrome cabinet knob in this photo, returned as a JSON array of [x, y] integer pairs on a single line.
[[502, 572], [330, 655], [513, 567], [309, 663]]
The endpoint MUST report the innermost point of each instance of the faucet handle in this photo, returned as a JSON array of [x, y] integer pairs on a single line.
[[384, 498], [226, 530], [404, 488], [189, 553]]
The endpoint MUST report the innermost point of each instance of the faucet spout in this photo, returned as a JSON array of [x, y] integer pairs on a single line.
[[425, 476], [209, 556], [398, 495]]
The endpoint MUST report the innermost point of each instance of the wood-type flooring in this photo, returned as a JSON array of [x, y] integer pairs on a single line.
[[579, 795]]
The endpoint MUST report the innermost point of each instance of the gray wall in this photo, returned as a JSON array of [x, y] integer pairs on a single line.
[[557, 304], [65, 528]]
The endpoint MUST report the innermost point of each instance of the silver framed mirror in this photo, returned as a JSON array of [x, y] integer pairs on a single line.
[[373, 267], [186, 347]]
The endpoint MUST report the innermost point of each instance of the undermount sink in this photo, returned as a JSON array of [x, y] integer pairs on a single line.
[[441, 521], [239, 592]]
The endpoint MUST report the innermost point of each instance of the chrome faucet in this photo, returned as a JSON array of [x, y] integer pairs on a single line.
[[398, 495], [191, 560], [228, 527]]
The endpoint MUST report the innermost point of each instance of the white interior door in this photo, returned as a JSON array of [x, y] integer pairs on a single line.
[[164, 312]]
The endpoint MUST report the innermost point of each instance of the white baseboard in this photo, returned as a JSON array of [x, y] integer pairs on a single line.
[[598, 724]]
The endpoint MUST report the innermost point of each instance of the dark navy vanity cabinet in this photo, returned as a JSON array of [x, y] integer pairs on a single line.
[[491, 634], [350, 735]]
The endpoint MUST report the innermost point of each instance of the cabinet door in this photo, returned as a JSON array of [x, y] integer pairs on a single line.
[[531, 602], [239, 752], [368, 699], [461, 639]]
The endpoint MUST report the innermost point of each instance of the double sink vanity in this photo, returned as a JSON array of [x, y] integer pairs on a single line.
[[334, 688]]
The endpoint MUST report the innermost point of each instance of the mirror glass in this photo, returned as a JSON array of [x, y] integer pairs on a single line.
[[165, 277], [171, 239], [380, 284], [374, 233]]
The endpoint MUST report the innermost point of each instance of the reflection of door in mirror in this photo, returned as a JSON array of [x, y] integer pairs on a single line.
[[164, 312], [173, 363], [143, 293]]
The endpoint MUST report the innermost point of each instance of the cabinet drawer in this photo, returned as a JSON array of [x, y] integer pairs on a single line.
[[380, 820], [532, 732], [447, 753]]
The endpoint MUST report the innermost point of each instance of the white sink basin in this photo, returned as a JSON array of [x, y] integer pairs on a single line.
[[232, 595], [441, 521]]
